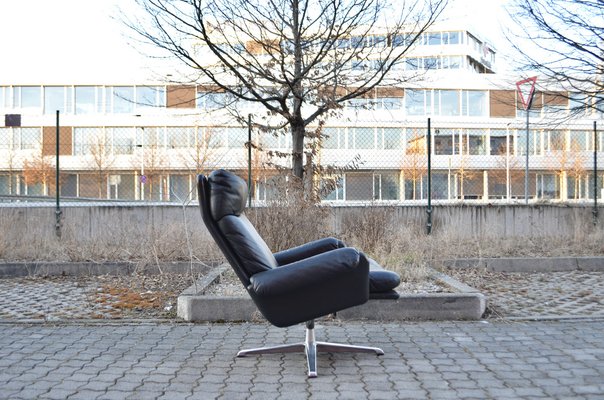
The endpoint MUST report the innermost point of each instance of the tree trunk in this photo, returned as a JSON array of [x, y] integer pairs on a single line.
[[297, 130]]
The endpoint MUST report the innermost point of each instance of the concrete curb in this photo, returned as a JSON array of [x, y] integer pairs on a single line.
[[537, 264], [37, 268], [465, 303]]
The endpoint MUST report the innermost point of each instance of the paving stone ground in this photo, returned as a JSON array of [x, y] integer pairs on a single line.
[[540, 295], [447, 360]]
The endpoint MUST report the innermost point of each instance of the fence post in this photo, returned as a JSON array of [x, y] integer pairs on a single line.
[[57, 187], [595, 210], [429, 150]]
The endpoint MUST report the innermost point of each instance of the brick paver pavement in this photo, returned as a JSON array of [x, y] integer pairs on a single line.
[[444, 360]]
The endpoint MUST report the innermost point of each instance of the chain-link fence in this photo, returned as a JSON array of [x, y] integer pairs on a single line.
[[361, 163]]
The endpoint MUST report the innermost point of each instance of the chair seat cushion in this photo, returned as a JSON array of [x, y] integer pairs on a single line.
[[382, 282]]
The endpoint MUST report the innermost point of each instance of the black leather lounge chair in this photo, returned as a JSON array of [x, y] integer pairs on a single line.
[[292, 286]]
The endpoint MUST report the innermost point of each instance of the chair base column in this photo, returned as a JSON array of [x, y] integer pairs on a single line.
[[310, 346]]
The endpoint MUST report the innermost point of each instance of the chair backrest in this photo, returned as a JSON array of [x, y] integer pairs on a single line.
[[222, 198]]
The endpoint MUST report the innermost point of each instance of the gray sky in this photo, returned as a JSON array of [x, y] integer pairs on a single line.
[[81, 41]]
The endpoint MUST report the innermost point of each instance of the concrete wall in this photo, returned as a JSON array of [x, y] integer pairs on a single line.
[[94, 222]]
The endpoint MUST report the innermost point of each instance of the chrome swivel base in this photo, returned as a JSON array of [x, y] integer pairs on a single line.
[[311, 347]]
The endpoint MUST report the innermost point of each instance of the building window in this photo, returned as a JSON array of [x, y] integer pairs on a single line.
[[449, 102], [332, 188], [553, 140], [119, 99], [211, 100], [444, 142], [477, 142], [86, 100], [182, 137], [237, 138], [499, 142], [362, 138], [27, 138], [27, 97], [89, 141], [5, 139], [359, 187], [334, 138], [150, 97], [122, 140], [474, 103], [57, 98], [392, 138], [415, 102], [386, 186], [4, 97]]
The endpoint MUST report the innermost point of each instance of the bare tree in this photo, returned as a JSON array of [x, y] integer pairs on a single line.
[[102, 161], [40, 169], [565, 45], [198, 156], [299, 59], [415, 161]]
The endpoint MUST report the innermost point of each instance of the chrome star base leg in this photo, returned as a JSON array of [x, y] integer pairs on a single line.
[[311, 347]]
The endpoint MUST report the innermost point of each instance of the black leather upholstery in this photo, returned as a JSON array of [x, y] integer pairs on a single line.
[[290, 287]]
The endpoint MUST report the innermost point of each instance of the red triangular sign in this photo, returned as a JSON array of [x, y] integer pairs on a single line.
[[526, 89]]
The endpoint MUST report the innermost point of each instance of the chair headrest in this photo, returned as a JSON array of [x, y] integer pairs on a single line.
[[228, 194]]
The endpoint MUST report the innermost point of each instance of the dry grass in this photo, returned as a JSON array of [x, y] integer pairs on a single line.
[[377, 231]]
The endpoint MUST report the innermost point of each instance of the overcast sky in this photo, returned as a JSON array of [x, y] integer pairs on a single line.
[[83, 41]]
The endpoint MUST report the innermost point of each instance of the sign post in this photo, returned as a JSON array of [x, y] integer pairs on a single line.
[[526, 90]]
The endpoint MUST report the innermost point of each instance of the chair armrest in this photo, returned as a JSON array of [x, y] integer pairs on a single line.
[[308, 250], [311, 288]]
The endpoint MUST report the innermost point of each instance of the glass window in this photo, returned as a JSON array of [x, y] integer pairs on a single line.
[[122, 186], [449, 102], [359, 186], [120, 99], [477, 142], [122, 140], [5, 139], [333, 188], [414, 102], [333, 138], [453, 37], [179, 188], [27, 96], [431, 63], [434, 39], [393, 138], [216, 137], [580, 141], [554, 140], [454, 62], [180, 136], [474, 103], [498, 142], [386, 186], [27, 138], [150, 96], [85, 100], [413, 63], [392, 103], [57, 98], [578, 104], [4, 97], [443, 142], [364, 138], [237, 138], [400, 40]]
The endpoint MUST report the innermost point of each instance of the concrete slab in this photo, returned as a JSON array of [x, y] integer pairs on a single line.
[[42, 268], [465, 303], [533, 264]]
